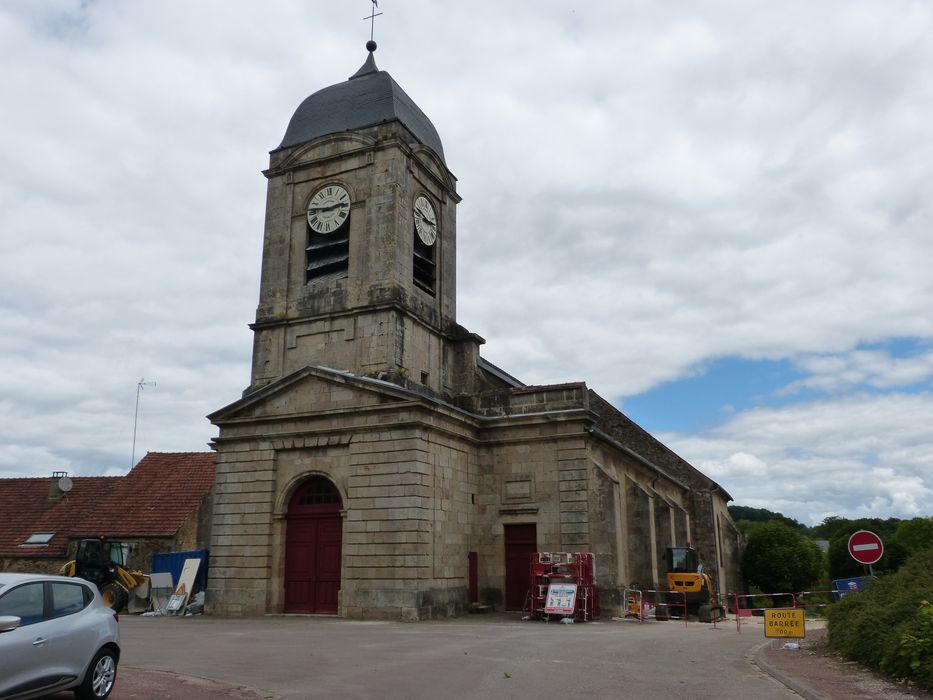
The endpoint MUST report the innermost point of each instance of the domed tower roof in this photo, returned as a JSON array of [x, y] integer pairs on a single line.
[[368, 98]]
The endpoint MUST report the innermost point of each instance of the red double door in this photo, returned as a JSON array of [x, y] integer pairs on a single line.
[[313, 543]]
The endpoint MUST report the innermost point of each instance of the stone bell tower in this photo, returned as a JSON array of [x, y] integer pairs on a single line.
[[359, 251]]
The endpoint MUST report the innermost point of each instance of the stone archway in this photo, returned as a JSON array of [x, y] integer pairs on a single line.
[[313, 545]]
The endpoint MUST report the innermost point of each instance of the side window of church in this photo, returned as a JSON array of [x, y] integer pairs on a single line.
[[327, 254]]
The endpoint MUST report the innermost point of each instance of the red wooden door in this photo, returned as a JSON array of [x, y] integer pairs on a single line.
[[472, 577], [521, 541], [313, 538]]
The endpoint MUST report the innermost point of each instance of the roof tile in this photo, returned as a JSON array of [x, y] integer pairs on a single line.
[[153, 500]]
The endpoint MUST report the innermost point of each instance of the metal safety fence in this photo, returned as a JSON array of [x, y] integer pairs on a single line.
[[746, 606], [654, 603]]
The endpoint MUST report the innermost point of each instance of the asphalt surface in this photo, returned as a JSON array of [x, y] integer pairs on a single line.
[[470, 657]]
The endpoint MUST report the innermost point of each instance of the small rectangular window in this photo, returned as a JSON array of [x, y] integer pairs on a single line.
[[40, 538]]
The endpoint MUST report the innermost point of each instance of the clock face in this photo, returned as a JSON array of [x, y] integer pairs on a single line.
[[425, 220], [328, 209]]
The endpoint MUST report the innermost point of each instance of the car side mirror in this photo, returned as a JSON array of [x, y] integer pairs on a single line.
[[8, 623]]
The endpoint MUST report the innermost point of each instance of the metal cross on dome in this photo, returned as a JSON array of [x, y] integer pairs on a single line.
[[372, 18]]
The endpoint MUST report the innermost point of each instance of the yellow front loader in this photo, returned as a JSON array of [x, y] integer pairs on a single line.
[[101, 562]]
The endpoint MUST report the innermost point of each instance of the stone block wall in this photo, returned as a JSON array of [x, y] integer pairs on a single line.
[[244, 496], [641, 569]]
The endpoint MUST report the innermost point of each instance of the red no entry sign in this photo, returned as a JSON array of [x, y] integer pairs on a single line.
[[865, 547]]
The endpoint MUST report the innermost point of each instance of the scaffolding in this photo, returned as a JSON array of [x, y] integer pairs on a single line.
[[576, 569]]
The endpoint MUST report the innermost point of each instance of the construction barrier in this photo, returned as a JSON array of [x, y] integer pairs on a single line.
[[645, 603], [748, 610], [633, 603], [814, 600]]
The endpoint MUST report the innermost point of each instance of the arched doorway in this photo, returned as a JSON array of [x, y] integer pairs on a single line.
[[313, 537]]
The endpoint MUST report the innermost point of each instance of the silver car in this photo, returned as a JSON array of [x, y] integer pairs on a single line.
[[55, 634]]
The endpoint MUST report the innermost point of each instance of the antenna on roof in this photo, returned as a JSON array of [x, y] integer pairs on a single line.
[[371, 44], [139, 387]]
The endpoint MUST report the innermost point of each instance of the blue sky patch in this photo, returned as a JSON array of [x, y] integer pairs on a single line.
[[728, 385]]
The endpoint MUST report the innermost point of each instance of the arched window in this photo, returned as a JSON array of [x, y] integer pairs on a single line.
[[316, 495]]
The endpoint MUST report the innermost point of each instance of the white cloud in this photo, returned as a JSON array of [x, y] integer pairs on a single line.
[[875, 368], [856, 456], [646, 188]]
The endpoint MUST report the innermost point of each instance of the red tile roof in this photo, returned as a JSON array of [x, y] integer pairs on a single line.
[[153, 500]]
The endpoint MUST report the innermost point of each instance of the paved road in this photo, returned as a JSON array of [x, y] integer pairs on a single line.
[[471, 657]]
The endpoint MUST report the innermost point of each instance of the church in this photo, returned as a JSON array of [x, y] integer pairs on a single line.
[[377, 466]]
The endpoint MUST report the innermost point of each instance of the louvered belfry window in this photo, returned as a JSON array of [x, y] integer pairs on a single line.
[[328, 254], [423, 273]]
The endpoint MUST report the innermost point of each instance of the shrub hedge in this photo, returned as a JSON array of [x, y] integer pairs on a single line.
[[889, 627]]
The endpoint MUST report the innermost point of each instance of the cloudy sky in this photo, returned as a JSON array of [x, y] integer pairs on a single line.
[[717, 214]]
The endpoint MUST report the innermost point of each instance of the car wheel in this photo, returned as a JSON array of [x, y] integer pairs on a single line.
[[100, 677], [114, 596]]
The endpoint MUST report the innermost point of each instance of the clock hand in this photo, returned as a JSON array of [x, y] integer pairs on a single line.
[[330, 208]]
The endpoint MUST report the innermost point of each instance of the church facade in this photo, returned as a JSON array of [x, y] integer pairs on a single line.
[[377, 466]]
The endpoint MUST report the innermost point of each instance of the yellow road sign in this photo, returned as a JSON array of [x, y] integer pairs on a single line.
[[784, 622]]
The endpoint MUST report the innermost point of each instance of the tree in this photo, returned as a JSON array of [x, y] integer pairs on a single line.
[[834, 526], [761, 515], [778, 559], [915, 534], [841, 563]]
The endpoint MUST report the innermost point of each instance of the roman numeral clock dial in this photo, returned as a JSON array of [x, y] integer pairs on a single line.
[[328, 209], [425, 220]]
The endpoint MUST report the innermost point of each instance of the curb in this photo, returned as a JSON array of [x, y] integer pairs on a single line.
[[757, 658]]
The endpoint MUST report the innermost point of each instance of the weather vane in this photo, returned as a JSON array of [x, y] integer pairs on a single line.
[[372, 20]]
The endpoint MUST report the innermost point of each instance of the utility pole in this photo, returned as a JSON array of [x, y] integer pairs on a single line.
[[139, 387]]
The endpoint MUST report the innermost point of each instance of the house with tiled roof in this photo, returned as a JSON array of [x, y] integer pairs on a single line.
[[162, 505]]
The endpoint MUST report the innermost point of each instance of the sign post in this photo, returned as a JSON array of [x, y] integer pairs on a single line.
[[866, 548]]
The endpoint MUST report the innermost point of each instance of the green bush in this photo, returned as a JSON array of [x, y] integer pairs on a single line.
[[889, 627]]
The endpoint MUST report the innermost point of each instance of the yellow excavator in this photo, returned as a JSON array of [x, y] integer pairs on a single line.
[[685, 575], [101, 562]]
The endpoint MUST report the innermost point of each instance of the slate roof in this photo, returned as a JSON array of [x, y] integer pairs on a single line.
[[153, 500], [628, 432], [368, 98]]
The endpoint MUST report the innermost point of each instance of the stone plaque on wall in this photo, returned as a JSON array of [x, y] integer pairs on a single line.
[[518, 490]]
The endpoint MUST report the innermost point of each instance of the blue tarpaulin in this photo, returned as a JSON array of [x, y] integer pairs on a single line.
[[173, 562]]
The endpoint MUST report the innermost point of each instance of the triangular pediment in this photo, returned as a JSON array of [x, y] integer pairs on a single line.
[[309, 391]]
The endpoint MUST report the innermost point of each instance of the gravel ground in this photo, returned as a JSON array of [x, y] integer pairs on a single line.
[[820, 673], [141, 684], [813, 671]]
